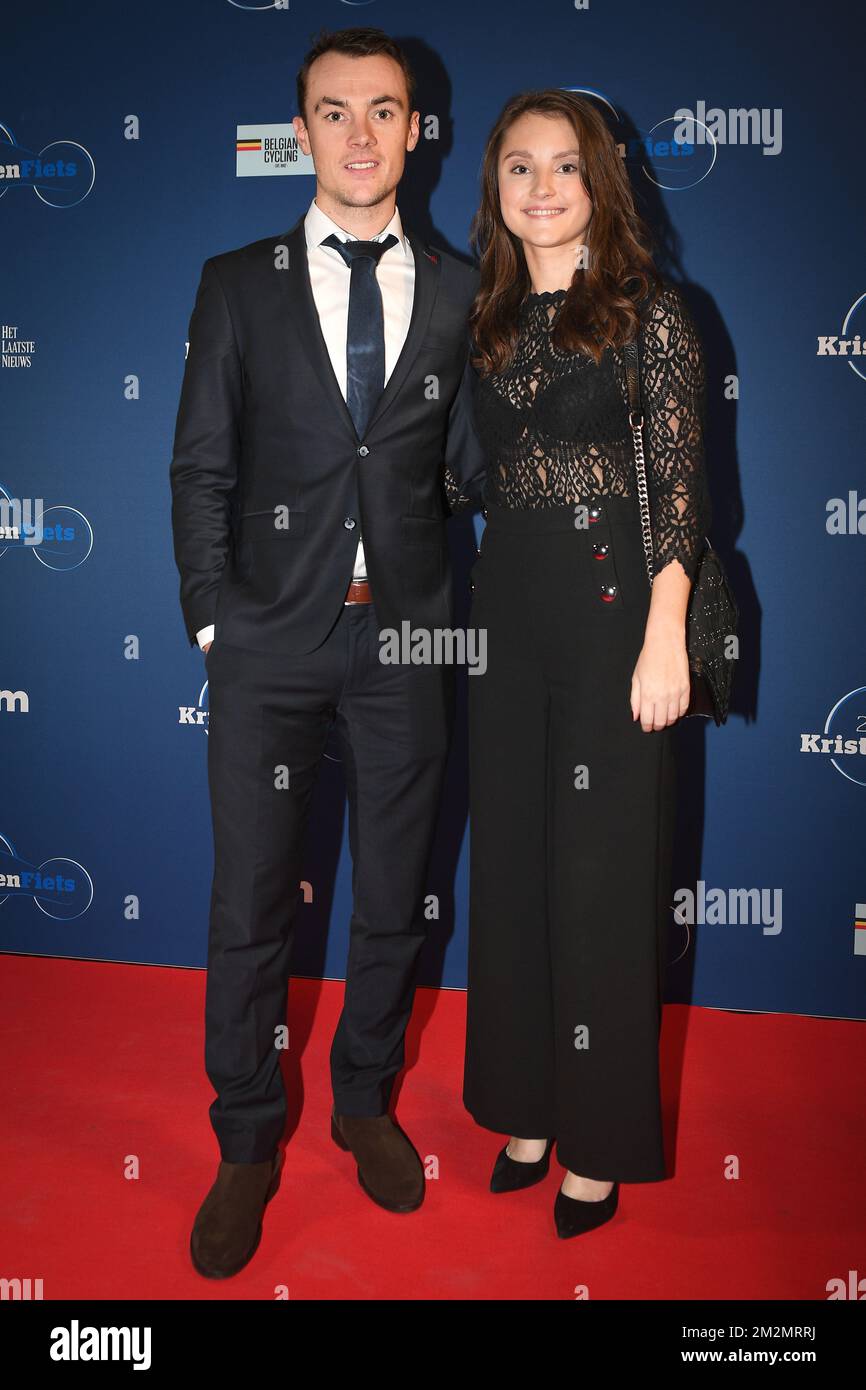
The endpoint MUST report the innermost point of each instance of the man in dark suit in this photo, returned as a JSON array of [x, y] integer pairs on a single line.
[[322, 435]]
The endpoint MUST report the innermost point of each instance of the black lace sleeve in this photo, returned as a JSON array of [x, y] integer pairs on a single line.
[[673, 389], [457, 501], [465, 464]]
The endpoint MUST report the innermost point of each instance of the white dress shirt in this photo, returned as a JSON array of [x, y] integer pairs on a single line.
[[330, 279]]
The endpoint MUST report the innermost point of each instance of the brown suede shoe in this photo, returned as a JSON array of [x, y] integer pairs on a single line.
[[228, 1227], [389, 1169]]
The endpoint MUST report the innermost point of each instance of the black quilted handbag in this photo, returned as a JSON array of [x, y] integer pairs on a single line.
[[712, 615]]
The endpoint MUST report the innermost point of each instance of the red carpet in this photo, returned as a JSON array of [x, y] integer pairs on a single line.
[[103, 1067]]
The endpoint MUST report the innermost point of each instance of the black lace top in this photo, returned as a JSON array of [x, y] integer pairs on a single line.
[[554, 425]]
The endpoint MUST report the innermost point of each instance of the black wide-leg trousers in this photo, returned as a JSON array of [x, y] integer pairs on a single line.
[[571, 825], [269, 720]]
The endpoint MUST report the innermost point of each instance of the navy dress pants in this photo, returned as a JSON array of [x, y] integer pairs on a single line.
[[270, 716]]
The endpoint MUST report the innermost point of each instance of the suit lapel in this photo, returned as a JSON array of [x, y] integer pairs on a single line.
[[303, 320], [427, 270]]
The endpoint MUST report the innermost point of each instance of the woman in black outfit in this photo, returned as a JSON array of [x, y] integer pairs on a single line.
[[571, 759]]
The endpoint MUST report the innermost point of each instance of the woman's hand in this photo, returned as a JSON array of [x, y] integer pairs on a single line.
[[660, 684]]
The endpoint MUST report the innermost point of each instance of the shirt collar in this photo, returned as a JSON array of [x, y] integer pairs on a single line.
[[318, 225]]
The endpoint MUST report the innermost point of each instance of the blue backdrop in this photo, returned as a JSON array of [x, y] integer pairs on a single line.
[[123, 147]]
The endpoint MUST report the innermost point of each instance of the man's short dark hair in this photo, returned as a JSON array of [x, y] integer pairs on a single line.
[[358, 43]]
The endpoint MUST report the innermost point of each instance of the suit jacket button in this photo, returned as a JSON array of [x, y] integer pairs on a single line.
[[363, 450], [349, 523]]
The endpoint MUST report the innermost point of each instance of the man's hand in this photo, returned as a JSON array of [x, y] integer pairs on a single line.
[[207, 646]]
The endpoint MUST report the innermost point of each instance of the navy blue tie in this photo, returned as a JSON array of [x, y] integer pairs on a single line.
[[365, 329]]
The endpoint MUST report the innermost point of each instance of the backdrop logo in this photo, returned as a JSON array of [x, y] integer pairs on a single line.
[[60, 537], [61, 174], [61, 888], [843, 740], [196, 716], [672, 155], [679, 151], [848, 343], [284, 4], [667, 154], [597, 96], [270, 149], [15, 351]]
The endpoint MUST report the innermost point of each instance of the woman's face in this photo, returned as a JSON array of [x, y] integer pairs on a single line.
[[541, 193]]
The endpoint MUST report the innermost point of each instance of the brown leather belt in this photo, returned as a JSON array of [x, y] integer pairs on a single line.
[[358, 592]]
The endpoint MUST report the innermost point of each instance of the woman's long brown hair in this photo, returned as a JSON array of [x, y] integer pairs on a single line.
[[600, 307]]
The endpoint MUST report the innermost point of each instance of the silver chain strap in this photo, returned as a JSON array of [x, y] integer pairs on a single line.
[[635, 420]]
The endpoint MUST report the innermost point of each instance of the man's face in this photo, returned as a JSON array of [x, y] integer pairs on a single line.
[[358, 128]]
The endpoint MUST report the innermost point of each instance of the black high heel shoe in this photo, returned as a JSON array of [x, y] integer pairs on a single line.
[[573, 1216], [510, 1176]]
